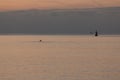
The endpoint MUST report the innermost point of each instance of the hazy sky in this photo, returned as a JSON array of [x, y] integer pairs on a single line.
[[55, 4]]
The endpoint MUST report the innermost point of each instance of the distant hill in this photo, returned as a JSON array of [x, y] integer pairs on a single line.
[[61, 21]]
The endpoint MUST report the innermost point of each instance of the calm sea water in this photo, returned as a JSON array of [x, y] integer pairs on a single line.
[[58, 57]]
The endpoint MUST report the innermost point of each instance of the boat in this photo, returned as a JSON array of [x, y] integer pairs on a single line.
[[96, 33]]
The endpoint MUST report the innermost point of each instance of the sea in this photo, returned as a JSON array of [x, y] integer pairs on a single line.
[[59, 57]]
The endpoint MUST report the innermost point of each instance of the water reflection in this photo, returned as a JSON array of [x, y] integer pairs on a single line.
[[59, 58]]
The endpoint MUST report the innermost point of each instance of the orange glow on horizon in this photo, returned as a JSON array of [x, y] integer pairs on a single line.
[[55, 4]]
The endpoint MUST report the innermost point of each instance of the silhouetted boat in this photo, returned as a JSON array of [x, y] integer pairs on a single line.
[[96, 33]]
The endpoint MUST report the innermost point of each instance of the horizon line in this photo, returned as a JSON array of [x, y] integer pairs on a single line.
[[59, 9]]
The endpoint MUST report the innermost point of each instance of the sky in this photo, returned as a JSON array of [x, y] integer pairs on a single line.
[[7, 5]]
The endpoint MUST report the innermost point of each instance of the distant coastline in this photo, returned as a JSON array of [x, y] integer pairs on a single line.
[[61, 21]]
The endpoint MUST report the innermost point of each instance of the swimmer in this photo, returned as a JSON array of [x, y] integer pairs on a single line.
[[40, 40]]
